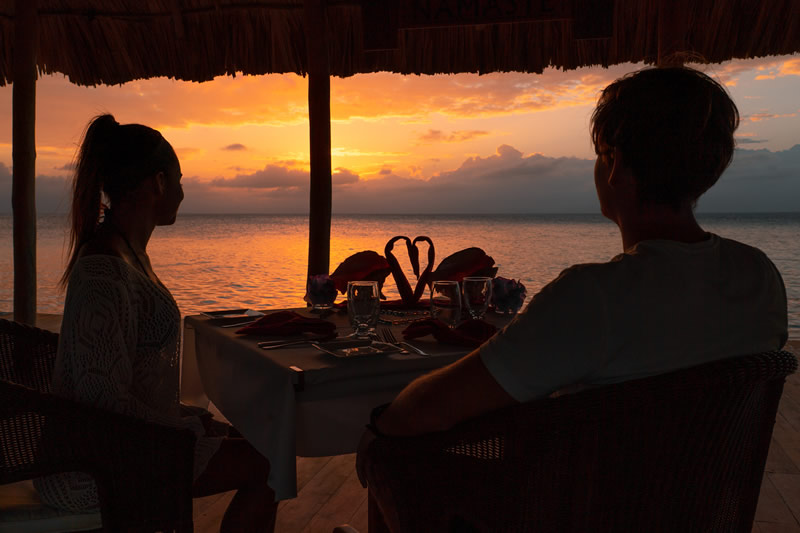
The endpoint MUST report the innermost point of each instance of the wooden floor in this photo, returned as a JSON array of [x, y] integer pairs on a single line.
[[330, 494]]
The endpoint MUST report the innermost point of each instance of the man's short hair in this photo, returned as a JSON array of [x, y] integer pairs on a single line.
[[674, 129]]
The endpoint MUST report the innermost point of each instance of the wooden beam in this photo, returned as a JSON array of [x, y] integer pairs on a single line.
[[23, 133], [319, 120], [673, 20]]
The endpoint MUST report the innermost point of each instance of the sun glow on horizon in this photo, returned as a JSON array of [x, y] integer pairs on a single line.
[[246, 138]]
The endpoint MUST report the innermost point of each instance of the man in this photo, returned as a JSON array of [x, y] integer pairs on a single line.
[[676, 297]]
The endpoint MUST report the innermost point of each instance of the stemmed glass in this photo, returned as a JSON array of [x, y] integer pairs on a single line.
[[477, 295], [363, 307], [446, 302]]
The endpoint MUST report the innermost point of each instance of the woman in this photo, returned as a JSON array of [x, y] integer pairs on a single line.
[[119, 347]]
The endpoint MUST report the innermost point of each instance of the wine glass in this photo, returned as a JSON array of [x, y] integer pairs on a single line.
[[477, 295], [446, 302], [363, 307]]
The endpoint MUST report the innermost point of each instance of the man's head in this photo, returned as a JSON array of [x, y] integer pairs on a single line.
[[673, 128]]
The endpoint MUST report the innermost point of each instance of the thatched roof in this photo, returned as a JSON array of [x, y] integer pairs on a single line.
[[114, 41]]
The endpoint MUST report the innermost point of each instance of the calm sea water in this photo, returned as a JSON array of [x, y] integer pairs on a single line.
[[259, 261]]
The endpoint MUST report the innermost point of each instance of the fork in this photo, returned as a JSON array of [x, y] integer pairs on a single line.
[[389, 337]]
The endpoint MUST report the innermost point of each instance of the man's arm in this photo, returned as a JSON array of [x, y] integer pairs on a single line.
[[439, 400]]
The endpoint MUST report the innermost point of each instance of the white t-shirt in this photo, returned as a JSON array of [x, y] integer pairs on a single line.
[[658, 307]]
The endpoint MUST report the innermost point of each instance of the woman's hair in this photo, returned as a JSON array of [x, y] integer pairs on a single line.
[[113, 159], [674, 129]]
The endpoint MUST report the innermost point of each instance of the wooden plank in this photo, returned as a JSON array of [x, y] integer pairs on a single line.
[[308, 467], [771, 507], [294, 515], [360, 519], [768, 527], [208, 511], [342, 506], [23, 128], [779, 461], [788, 486]]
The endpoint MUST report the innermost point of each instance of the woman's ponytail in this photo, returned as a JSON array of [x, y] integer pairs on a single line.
[[87, 185]]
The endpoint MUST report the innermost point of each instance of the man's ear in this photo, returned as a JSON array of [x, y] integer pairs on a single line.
[[620, 172]]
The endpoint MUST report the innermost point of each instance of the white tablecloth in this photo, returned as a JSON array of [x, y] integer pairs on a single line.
[[317, 408]]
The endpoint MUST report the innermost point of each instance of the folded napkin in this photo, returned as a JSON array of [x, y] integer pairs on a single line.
[[394, 305], [470, 333], [284, 323]]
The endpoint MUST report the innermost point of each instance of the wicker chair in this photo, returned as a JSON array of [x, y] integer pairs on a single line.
[[683, 451], [143, 471]]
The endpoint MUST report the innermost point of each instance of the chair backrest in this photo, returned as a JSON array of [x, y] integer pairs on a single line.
[[27, 355], [683, 451]]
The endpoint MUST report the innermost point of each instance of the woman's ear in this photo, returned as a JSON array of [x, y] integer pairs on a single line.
[[160, 181]]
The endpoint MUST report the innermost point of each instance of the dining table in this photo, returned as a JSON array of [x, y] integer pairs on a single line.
[[298, 400]]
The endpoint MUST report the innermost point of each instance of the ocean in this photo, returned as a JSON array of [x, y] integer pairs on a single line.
[[259, 261]]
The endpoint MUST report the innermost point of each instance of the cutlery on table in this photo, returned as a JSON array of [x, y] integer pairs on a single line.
[[388, 337], [238, 324], [272, 345], [405, 347]]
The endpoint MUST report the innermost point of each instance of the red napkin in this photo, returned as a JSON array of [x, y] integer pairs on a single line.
[[471, 333], [284, 323], [394, 305]]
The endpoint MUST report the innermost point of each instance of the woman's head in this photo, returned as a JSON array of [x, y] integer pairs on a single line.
[[113, 163], [673, 128]]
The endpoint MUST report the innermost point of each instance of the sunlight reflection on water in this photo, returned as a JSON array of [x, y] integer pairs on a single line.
[[259, 261]]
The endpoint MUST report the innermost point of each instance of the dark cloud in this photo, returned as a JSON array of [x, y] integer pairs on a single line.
[[271, 177], [757, 181], [748, 140], [235, 147], [505, 182], [342, 176], [52, 193], [68, 167]]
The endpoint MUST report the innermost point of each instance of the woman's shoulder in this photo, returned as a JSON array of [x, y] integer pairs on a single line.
[[103, 266]]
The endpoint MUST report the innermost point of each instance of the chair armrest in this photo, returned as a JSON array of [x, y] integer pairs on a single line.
[[143, 470]]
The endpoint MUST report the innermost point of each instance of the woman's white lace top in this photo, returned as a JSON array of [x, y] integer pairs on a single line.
[[119, 349]]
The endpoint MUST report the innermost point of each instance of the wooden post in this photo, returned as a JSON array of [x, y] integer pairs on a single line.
[[672, 24], [319, 119], [23, 199]]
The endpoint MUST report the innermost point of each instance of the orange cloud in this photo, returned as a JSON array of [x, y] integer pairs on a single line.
[[790, 68], [758, 117], [438, 136]]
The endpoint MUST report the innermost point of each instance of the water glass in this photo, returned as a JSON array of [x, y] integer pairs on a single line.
[[446, 302], [363, 307], [477, 292]]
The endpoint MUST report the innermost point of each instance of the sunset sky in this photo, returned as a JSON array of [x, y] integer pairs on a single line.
[[406, 144]]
